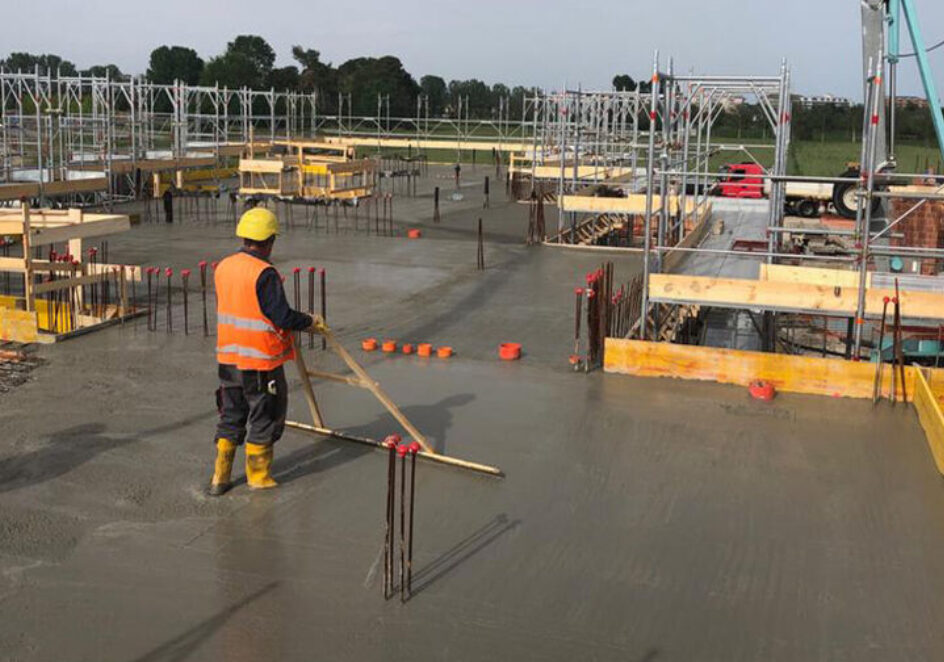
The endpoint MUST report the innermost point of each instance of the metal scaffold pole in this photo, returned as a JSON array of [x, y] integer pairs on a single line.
[[650, 162]]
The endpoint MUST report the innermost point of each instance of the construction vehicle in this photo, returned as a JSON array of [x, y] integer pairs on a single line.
[[807, 199]]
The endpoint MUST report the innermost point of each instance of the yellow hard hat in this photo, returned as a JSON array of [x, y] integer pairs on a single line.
[[257, 224]]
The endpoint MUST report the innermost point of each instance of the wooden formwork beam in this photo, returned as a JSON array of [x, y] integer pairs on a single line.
[[787, 296]]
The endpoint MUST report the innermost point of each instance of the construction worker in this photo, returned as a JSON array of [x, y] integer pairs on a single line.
[[168, 199], [254, 340]]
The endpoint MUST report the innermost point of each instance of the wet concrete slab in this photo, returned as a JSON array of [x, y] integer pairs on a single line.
[[638, 519]]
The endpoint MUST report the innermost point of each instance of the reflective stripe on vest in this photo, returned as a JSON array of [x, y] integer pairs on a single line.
[[243, 322], [246, 338], [248, 352]]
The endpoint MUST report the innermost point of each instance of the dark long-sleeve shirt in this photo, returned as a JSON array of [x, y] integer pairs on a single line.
[[272, 301]]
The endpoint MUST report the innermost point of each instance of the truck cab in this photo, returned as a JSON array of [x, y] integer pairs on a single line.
[[741, 180]]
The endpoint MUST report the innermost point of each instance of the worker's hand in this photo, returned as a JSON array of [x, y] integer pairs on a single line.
[[317, 324]]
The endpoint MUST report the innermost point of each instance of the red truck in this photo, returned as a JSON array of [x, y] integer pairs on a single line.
[[746, 180]]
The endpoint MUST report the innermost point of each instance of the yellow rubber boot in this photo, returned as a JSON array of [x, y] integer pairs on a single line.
[[259, 467], [225, 453]]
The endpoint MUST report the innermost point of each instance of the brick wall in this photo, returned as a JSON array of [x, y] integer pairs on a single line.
[[924, 228]]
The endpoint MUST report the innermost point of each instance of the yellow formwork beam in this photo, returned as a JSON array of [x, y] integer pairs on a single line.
[[785, 273], [631, 204], [426, 143]]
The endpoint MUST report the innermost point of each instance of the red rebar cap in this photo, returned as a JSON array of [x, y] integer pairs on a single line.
[[761, 390], [590, 293], [93, 250], [213, 264], [202, 264], [578, 291], [390, 441], [185, 272], [321, 270], [894, 299], [168, 271], [311, 270], [296, 270], [415, 447], [402, 450], [885, 299]]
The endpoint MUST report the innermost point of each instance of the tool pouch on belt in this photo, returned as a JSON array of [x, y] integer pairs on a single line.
[[269, 387]]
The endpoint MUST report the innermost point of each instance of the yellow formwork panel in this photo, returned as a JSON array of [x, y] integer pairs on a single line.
[[47, 316], [928, 406], [18, 326], [794, 374]]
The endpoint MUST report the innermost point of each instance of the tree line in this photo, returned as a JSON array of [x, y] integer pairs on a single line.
[[354, 85]]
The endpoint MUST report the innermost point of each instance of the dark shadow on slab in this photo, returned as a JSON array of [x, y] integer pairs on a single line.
[[470, 304], [312, 459], [65, 450], [462, 551], [182, 646], [434, 421], [70, 448]]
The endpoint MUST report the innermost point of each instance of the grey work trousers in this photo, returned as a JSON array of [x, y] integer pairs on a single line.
[[257, 398]]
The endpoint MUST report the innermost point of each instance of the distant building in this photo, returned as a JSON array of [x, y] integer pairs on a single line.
[[918, 102], [822, 100]]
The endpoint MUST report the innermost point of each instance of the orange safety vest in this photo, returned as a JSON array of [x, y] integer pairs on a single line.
[[245, 337]]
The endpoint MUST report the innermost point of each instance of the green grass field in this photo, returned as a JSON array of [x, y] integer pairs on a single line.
[[810, 158], [829, 158]]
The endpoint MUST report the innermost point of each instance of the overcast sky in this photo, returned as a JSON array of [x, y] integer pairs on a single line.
[[530, 42]]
